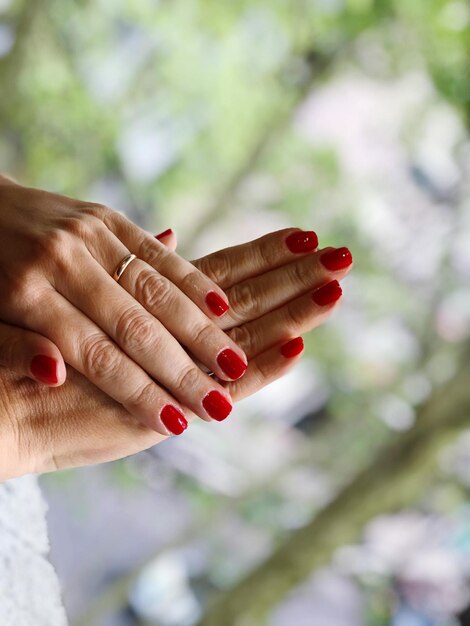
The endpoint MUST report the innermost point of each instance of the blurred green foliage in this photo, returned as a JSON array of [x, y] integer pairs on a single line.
[[212, 80]]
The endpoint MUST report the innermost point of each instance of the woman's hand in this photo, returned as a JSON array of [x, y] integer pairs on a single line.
[[274, 293], [76, 424], [57, 259]]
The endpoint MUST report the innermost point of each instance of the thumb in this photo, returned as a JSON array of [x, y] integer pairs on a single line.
[[168, 238], [32, 355]]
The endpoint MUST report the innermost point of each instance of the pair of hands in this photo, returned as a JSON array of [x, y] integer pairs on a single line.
[[63, 269]]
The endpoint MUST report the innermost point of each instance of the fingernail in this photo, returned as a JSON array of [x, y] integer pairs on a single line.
[[44, 368], [327, 294], [302, 241], [173, 419], [292, 348], [216, 405], [336, 259], [217, 305], [165, 233], [231, 364]]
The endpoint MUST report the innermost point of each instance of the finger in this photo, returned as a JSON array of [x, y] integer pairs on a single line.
[[294, 318], [32, 355], [267, 367], [90, 351], [208, 296], [256, 296], [178, 316], [232, 265], [150, 334], [168, 239], [89, 417]]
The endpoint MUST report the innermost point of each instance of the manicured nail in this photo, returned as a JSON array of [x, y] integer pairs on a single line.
[[173, 419], [292, 348], [327, 294], [165, 233], [216, 405], [336, 259], [217, 305], [302, 241], [44, 368], [231, 364]]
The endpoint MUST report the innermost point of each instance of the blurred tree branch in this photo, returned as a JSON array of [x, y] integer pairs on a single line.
[[317, 66], [394, 479]]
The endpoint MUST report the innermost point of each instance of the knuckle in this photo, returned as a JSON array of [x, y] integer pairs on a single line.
[[77, 226], [135, 329], [101, 216], [55, 244], [94, 209], [30, 299], [143, 397], [300, 273], [153, 290], [201, 335], [188, 378], [151, 251], [294, 317], [245, 339], [53, 250], [267, 252], [50, 251], [82, 226], [215, 266], [24, 297], [189, 281], [99, 356], [243, 301]]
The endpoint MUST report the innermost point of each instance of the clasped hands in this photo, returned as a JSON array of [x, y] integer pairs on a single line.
[[170, 342]]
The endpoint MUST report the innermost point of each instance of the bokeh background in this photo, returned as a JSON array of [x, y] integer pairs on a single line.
[[338, 496]]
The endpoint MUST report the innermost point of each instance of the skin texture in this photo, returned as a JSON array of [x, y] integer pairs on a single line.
[[57, 259], [77, 424]]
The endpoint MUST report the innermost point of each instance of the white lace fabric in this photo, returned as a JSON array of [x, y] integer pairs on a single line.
[[29, 587]]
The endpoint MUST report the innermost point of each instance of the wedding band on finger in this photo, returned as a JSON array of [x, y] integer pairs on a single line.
[[123, 265]]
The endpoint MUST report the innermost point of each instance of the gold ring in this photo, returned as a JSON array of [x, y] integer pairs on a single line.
[[127, 260]]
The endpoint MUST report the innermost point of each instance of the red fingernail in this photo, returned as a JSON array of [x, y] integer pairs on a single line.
[[217, 405], [217, 305], [327, 294], [165, 233], [302, 241], [231, 364], [336, 259], [173, 419], [292, 348], [44, 368]]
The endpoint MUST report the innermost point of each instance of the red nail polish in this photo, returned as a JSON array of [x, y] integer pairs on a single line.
[[217, 305], [302, 241], [336, 259], [216, 405], [292, 348], [327, 294], [173, 419], [231, 364], [165, 233], [44, 368]]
